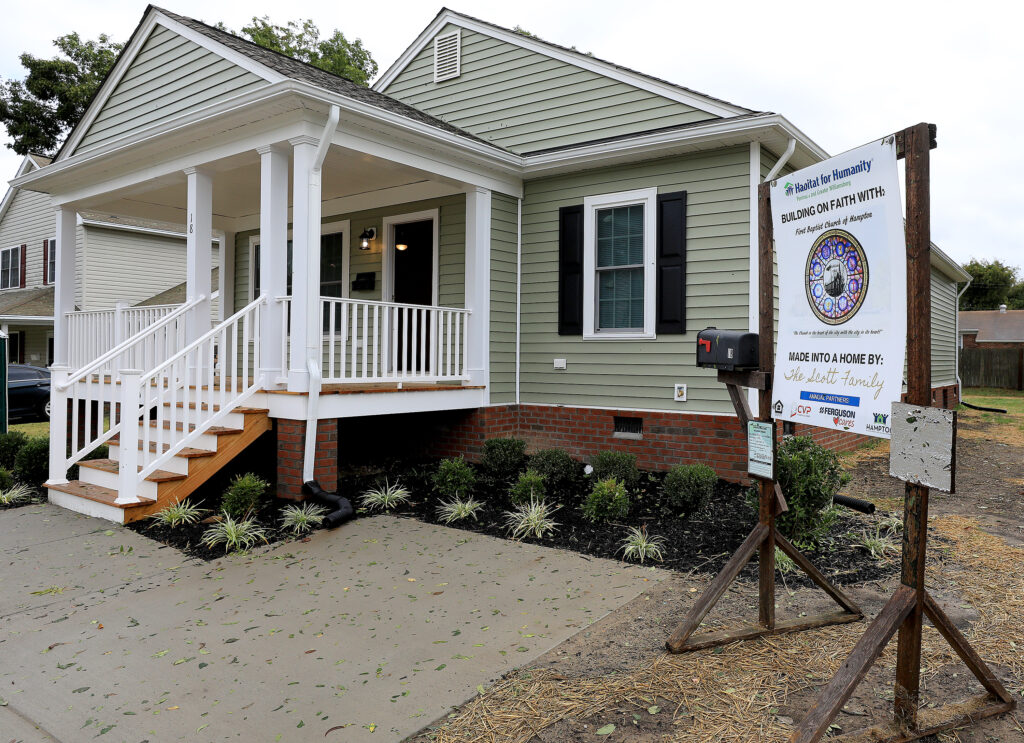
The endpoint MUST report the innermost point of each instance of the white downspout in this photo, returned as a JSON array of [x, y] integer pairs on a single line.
[[313, 350], [790, 148], [519, 285], [959, 384]]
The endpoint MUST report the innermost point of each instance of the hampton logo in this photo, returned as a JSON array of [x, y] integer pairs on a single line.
[[880, 424]]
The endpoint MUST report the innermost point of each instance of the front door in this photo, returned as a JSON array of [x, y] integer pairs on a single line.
[[414, 285]]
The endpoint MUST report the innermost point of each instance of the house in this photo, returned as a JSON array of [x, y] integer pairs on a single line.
[[1000, 328], [106, 265], [501, 237]]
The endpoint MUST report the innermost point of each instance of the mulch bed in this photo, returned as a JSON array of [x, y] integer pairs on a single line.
[[187, 538], [701, 543]]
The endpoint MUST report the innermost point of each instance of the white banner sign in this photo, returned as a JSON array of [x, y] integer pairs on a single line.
[[842, 292]]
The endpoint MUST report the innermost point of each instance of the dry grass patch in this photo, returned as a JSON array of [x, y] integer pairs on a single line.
[[733, 694]]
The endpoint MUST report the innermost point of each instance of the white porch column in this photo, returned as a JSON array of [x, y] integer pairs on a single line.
[[305, 329], [198, 253], [273, 257], [64, 293], [478, 282]]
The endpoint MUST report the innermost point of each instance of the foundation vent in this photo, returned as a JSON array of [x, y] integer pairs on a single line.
[[627, 427]]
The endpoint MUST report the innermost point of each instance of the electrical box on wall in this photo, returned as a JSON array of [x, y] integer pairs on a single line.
[[680, 393], [560, 363]]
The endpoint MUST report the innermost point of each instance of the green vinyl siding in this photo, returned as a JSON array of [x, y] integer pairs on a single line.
[[451, 249], [943, 330], [502, 350], [527, 101], [639, 373], [169, 77]]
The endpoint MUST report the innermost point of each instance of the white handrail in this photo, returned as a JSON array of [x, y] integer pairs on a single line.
[[210, 376], [127, 344], [374, 341]]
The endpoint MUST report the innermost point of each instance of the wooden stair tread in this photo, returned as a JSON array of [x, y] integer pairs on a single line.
[[97, 493], [212, 430], [205, 406], [112, 465], [187, 453]]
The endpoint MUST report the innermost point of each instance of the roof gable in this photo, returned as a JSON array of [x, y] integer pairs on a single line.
[[167, 71]]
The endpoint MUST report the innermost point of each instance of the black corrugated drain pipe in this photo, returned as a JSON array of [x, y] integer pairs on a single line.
[[854, 503], [341, 511]]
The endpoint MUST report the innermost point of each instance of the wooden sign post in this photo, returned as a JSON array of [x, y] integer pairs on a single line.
[[905, 610], [764, 538]]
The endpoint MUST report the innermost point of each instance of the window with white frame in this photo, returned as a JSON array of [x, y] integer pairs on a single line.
[[51, 262], [619, 265], [10, 268]]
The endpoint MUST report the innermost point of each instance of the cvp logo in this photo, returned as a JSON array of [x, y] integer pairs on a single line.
[[881, 419], [804, 411]]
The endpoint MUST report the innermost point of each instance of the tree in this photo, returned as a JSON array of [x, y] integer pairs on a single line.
[[990, 284], [1015, 297], [301, 40], [41, 109]]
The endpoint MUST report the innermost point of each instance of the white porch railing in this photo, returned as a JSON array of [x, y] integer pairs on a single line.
[[367, 341], [170, 406], [92, 333], [93, 389]]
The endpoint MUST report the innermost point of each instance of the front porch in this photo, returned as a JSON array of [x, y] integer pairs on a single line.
[[335, 302]]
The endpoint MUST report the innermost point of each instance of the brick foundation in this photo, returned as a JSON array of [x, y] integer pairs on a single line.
[[668, 439], [291, 444]]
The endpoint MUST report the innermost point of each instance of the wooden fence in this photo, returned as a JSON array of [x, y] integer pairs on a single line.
[[992, 367]]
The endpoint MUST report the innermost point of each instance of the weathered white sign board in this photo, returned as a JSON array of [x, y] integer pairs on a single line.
[[923, 446], [761, 449]]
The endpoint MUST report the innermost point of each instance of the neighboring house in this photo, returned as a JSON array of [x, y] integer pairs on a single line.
[[1000, 328], [107, 266], [501, 237]]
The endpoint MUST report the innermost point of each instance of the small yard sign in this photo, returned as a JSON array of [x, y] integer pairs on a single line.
[[761, 449], [923, 447]]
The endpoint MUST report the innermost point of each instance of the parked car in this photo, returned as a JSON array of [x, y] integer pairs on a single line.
[[28, 392]]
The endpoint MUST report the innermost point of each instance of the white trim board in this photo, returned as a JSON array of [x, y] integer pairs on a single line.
[[637, 80], [387, 270]]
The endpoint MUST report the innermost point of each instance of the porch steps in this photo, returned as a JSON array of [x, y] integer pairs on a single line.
[[95, 492]]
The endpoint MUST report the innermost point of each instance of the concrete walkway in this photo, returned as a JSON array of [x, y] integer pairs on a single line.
[[382, 625]]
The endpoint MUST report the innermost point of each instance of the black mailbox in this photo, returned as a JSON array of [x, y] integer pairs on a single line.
[[727, 349]]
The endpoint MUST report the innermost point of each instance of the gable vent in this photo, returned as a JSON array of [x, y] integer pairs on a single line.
[[447, 56]]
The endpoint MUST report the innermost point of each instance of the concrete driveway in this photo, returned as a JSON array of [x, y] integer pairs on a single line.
[[382, 625]]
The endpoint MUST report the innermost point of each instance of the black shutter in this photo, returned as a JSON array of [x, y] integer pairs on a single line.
[[570, 270], [671, 266], [46, 263]]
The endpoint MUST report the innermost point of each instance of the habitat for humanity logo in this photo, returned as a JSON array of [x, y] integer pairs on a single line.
[[789, 188], [880, 424], [825, 178]]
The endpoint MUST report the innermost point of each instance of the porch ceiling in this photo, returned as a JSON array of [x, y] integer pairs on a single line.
[[236, 187]]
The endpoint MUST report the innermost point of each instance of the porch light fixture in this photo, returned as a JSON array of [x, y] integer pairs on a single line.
[[401, 246], [364, 239]]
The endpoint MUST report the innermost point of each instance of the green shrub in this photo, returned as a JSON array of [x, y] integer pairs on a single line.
[[243, 496], [235, 535], [6, 479], [687, 488], [10, 444], [608, 500], [503, 459], [562, 474], [529, 486], [809, 475], [454, 478], [618, 465], [32, 463]]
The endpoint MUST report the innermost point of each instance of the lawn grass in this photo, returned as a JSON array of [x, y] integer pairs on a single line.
[[1011, 401], [40, 428]]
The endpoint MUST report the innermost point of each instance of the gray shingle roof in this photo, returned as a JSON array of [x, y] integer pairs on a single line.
[[37, 302], [994, 326], [304, 72], [177, 294]]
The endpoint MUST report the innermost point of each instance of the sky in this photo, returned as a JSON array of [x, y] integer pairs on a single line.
[[844, 73]]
